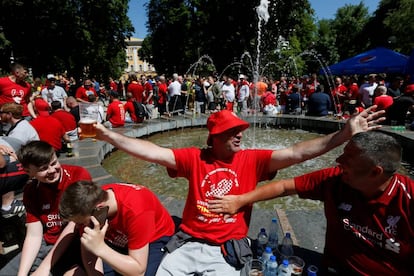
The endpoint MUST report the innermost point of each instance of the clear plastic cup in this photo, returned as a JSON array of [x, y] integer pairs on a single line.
[[255, 267], [296, 265], [88, 114]]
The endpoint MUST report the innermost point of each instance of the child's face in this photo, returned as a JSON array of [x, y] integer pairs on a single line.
[[49, 173]]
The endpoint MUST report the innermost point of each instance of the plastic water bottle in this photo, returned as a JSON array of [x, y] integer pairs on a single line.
[[262, 240], [273, 234], [266, 255], [283, 269], [271, 267], [286, 249]]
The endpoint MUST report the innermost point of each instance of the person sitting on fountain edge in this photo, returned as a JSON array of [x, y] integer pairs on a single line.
[[220, 169], [136, 230], [368, 207]]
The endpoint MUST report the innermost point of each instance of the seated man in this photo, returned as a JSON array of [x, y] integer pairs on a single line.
[[137, 229], [66, 118], [47, 246], [115, 114], [51, 130], [368, 207]]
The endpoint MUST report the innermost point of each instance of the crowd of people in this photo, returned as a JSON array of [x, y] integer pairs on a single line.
[[77, 227]]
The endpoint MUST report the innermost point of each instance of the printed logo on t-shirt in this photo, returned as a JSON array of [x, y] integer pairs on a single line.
[[17, 95], [218, 182], [385, 239]]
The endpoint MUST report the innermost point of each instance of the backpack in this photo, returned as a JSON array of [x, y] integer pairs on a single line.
[[140, 110]]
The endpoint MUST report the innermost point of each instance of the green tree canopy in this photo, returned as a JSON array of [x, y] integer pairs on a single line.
[[78, 36]]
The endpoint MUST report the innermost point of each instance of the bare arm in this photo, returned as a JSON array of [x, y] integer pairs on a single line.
[[31, 246], [139, 148], [62, 243], [364, 121], [230, 204]]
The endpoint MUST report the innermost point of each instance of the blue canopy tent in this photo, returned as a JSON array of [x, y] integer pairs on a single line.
[[378, 60]]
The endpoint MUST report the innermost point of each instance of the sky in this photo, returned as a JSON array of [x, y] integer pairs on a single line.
[[324, 9]]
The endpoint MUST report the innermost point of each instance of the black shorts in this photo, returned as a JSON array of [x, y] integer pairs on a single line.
[[12, 177]]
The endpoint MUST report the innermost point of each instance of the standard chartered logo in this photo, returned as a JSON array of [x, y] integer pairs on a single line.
[[53, 220]]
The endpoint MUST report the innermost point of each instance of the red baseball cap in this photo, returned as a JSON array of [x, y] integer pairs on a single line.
[[222, 121]]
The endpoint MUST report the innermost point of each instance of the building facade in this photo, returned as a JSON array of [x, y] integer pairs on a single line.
[[135, 64]]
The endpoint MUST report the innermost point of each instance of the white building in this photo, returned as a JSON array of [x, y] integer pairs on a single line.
[[135, 64]]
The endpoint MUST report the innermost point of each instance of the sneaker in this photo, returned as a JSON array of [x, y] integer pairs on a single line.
[[17, 208]]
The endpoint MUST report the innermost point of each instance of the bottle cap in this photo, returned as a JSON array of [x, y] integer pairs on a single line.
[[268, 249], [274, 219], [272, 258]]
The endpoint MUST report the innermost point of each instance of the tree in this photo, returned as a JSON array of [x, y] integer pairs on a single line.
[[326, 42], [183, 31], [78, 36], [399, 22], [348, 25]]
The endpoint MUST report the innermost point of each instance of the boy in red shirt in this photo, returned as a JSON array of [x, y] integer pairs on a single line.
[[45, 229], [137, 228]]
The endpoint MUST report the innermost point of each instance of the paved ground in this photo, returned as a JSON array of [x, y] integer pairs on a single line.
[[307, 227]]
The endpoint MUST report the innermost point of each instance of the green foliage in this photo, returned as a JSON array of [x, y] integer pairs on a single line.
[[183, 31], [348, 23], [400, 23], [77, 36], [325, 43]]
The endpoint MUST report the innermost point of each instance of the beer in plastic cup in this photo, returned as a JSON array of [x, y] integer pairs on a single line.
[[255, 267], [89, 114], [296, 265]]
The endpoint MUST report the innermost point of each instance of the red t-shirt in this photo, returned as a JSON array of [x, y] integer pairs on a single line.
[[83, 94], [208, 177], [113, 85], [374, 237], [116, 113], [11, 92], [66, 118], [42, 201], [162, 93], [140, 219], [148, 90], [137, 90], [269, 98], [129, 107], [353, 91], [50, 130]]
